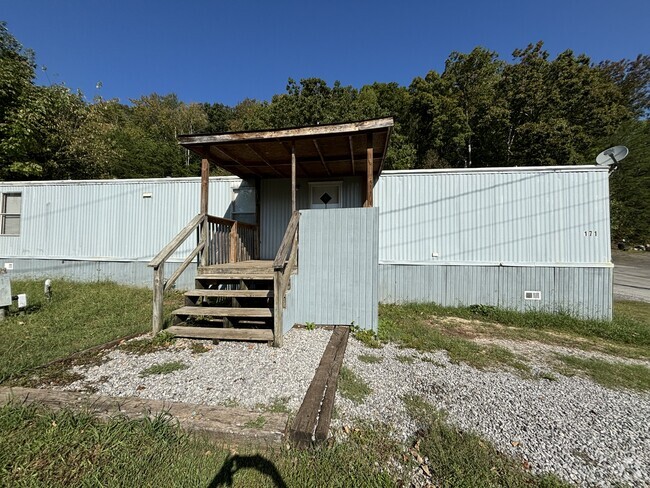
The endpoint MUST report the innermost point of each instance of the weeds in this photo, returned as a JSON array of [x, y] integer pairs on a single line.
[[198, 348], [408, 327], [365, 336], [608, 374], [257, 423], [370, 358], [458, 458], [278, 405], [405, 359], [352, 387], [160, 341], [163, 368]]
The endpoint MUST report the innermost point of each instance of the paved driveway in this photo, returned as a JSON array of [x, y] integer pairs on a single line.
[[631, 275]]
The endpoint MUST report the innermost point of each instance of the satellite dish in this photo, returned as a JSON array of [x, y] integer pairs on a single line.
[[612, 156]]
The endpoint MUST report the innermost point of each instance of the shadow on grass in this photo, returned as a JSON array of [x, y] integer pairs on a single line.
[[236, 463]]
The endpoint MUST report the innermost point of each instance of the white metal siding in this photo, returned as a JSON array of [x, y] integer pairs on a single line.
[[109, 221], [505, 216]]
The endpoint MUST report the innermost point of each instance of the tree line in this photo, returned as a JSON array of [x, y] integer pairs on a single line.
[[480, 111]]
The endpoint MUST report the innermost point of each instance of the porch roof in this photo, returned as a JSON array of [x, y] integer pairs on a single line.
[[332, 150]]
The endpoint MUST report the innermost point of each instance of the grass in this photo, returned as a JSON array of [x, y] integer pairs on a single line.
[[408, 326], [628, 334], [367, 337], [163, 368], [80, 315], [458, 458], [278, 405], [351, 386], [258, 423], [42, 448], [145, 346], [606, 373], [198, 348], [370, 358], [405, 359]]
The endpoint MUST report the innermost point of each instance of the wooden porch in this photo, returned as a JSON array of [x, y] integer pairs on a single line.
[[237, 295]]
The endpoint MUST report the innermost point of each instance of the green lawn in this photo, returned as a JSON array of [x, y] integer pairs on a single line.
[[79, 316]]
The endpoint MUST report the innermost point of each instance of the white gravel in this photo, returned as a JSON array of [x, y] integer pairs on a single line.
[[582, 432], [230, 373]]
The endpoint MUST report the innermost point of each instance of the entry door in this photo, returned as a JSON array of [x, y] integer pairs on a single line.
[[326, 194]]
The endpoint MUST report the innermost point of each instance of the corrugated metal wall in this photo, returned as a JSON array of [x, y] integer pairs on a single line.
[[109, 220], [510, 216], [275, 207], [337, 272], [106, 230], [584, 292]]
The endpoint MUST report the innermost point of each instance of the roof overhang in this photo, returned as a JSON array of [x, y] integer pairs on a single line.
[[333, 150]]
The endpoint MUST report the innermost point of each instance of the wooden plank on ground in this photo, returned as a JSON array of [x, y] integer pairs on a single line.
[[223, 423], [219, 333], [311, 424]]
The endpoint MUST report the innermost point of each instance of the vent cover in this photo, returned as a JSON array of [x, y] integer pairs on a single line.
[[532, 295]]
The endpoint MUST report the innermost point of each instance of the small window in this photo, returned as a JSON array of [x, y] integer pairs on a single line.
[[10, 225], [325, 194], [243, 204]]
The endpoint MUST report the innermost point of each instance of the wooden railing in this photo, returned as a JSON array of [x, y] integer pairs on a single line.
[[219, 241], [285, 261], [230, 241]]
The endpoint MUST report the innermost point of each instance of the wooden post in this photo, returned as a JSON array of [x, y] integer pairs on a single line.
[[205, 184], [258, 189], [158, 296], [293, 177], [234, 248], [369, 171], [277, 309]]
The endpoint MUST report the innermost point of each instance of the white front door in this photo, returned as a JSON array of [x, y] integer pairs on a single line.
[[325, 194]]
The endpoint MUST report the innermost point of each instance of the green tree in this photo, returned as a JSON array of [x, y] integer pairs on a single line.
[[633, 79]]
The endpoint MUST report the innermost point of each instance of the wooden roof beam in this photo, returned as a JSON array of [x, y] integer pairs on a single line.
[[228, 156], [318, 130], [351, 154], [261, 156], [304, 172], [320, 155]]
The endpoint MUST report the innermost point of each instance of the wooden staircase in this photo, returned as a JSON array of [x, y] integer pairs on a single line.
[[236, 296], [232, 301]]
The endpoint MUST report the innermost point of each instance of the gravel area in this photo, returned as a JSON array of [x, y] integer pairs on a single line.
[[582, 432], [230, 373]]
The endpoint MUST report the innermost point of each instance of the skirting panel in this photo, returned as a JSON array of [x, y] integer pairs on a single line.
[[583, 292], [134, 273]]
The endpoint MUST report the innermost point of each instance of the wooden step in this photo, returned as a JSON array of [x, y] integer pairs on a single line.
[[236, 276], [230, 293], [219, 333], [224, 312]]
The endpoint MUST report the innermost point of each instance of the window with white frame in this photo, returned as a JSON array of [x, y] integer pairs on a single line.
[[10, 217], [325, 194]]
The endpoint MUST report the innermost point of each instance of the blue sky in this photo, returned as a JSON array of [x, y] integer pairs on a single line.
[[225, 51]]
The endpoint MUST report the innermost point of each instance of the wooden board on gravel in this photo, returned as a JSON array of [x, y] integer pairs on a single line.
[[312, 422], [232, 425]]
